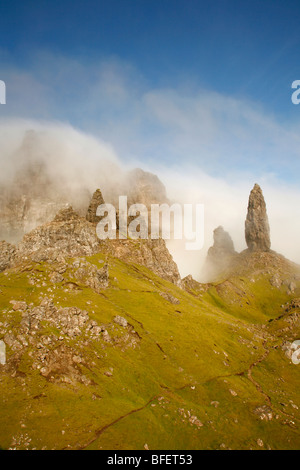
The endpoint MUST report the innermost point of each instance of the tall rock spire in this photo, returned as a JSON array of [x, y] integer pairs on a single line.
[[96, 201], [257, 230]]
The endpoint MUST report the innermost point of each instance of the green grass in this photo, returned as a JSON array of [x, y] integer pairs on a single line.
[[191, 354]]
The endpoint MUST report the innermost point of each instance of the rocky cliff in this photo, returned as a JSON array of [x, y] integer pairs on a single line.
[[70, 235], [42, 216]]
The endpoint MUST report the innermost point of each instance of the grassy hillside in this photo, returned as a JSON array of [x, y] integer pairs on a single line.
[[190, 370]]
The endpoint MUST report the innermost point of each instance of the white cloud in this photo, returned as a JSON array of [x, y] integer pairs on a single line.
[[76, 159], [206, 147], [226, 204], [221, 134]]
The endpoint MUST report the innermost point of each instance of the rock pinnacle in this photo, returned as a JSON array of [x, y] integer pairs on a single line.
[[96, 201], [257, 230]]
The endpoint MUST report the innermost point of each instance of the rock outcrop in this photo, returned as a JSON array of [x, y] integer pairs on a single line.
[[96, 201], [67, 235], [39, 224], [66, 214], [7, 252], [257, 230], [150, 253], [223, 244], [220, 255], [70, 235]]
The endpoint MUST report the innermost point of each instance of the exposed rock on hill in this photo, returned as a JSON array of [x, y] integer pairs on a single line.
[[66, 326], [190, 284], [35, 191], [140, 187], [282, 274], [70, 235], [223, 245], [222, 258], [91, 276], [66, 214], [37, 188], [96, 201], [150, 253], [220, 255], [67, 235], [257, 230]]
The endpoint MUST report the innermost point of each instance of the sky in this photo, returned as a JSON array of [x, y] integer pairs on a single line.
[[242, 48], [197, 91]]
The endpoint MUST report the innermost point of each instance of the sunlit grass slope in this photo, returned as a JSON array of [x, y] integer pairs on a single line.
[[189, 371]]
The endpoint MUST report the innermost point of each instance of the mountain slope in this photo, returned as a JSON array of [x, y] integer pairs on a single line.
[[105, 354]]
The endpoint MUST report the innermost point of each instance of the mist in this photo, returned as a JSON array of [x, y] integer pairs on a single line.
[[71, 158], [225, 204], [77, 163]]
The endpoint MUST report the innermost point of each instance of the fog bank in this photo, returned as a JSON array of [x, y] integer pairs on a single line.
[[77, 163]]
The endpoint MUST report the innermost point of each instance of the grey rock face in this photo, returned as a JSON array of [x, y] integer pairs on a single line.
[[257, 229], [96, 201]]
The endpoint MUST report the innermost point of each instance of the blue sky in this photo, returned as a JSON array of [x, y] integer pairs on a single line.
[[234, 46], [205, 82], [198, 92]]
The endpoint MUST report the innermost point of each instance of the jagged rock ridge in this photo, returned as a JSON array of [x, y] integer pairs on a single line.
[[70, 235]]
